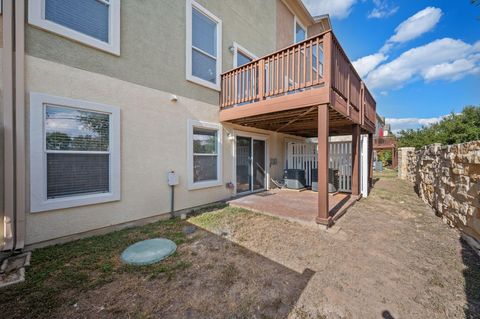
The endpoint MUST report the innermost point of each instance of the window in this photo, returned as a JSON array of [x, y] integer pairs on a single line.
[[204, 46], [92, 22], [300, 31], [241, 56], [74, 152], [204, 154]]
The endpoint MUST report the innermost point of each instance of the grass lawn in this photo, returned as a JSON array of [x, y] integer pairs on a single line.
[[386, 173], [388, 256], [208, 277], [58, 273]]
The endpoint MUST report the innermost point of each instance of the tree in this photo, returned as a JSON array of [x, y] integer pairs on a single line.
[[58, 141], [453, 129], [97, 123], [385, 157], [476, 3]]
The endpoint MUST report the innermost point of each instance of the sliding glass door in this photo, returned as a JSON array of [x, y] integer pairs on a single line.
[[258, 164], [250, 164], [244, 157]]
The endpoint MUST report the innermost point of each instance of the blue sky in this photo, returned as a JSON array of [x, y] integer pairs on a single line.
[[420, 58]]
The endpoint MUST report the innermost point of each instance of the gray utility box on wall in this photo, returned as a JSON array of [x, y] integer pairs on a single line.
[[294, 178]]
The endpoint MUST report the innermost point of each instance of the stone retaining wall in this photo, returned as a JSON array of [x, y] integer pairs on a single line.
[[448, 179]]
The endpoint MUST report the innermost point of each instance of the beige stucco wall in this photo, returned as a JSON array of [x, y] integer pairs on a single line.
[[1, 31], [286, 12], [285, 18], [315, 29], [153, 43], [2, 213], [153, 142]]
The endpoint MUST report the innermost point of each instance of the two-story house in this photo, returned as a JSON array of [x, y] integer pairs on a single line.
[[102, 98]]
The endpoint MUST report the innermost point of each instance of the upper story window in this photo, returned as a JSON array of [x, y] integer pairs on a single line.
[[300, 31], [204, 46], [92, 22], [74, 152], [241, 56]]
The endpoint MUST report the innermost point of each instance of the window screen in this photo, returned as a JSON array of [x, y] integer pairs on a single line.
[[77, 151], [204, 47], [205, 154], [77, 174], [90, 17]]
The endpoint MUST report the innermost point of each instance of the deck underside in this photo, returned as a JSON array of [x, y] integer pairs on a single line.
[[295, 114]]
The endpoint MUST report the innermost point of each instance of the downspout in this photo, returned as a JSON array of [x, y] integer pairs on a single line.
[[13, 68], [19, 75], [8, 119]]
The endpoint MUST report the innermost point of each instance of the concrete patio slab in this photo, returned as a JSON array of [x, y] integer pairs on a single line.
[[299, 206]]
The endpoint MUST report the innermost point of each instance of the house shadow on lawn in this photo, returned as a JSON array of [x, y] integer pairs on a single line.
[[227, 280], [208, 277], [471, 274]]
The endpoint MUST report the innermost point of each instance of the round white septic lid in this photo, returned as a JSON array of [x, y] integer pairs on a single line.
[[148, 251]]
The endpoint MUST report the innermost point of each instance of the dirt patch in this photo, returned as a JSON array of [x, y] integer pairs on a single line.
[[388, 257], [208, 277], [223, 281]]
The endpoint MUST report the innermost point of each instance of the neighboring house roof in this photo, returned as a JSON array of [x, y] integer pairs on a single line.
[[324, 19], [380, 119]]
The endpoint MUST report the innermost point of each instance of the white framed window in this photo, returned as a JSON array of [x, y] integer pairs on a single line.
[[74, 152], [241, 55], [204, 46], [299, 31], [92, 22], [204, 154]]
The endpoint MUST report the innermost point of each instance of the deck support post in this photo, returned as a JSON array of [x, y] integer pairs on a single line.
[[323, 216], [356, 159], [370, 161]]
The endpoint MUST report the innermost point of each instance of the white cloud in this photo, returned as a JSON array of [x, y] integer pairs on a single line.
[[451, 70], [427, 62], [339, 9], [398, 124], [368, 63], [421, 22], [382, 9]]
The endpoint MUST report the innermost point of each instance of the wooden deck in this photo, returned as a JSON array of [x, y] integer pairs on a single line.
[[281, 91], [298, 206], [388, 142]]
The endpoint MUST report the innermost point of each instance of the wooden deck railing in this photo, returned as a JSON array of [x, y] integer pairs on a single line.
[[369, 107], [386, 141], [316, 62], [294, 68]]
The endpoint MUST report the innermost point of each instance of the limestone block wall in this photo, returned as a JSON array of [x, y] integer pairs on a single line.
[[448, 179]]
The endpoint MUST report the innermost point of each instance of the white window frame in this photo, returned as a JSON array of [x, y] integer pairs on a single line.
[[238, 48], [295, 22], [38, 160], [189, 44], [36, 17], [210, 126]]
